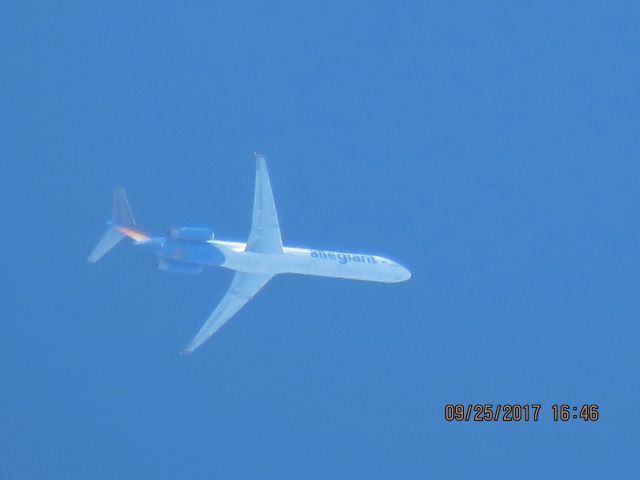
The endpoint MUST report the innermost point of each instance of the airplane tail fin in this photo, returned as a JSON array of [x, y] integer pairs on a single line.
[[122, 215], [121, 225]]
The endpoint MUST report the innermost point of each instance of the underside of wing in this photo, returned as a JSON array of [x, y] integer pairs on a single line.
[[265, 234], [243, 287]]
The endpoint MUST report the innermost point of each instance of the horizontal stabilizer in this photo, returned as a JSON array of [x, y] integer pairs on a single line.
[[109, 240], [122, 224]]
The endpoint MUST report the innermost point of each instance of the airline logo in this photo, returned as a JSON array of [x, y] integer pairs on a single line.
[[343, 257]]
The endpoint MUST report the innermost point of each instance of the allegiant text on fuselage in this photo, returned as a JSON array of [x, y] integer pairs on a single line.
[[343, 257]]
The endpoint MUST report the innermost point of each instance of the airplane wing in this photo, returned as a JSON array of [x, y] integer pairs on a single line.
[[265, 230], [242, 289]]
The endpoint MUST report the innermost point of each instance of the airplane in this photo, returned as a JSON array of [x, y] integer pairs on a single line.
[[188, 249]]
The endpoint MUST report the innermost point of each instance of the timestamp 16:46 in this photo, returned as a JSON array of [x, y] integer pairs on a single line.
[[516, 412], [565, 412]]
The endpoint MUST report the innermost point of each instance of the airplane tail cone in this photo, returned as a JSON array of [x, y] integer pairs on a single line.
[[121, 225]]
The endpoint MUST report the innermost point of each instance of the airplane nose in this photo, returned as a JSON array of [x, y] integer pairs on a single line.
[[402, 274], [406, 274]]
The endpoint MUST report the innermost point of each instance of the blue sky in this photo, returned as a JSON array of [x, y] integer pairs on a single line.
[[492, 148]]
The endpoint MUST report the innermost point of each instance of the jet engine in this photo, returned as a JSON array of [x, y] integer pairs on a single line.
[[191, 234]]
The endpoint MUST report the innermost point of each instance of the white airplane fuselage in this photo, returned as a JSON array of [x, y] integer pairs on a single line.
[[306, 261]]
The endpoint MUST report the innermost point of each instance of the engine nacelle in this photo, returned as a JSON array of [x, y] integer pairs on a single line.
[[178, 267], [191, 234]]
